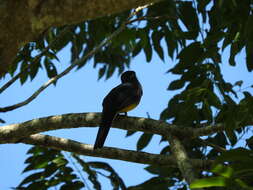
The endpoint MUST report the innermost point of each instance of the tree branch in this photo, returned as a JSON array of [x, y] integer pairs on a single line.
[[106, 152], [12, 133], [182, 159], [15, 132]]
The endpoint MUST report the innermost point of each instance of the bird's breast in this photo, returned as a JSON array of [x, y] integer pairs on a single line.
[[128, 108]]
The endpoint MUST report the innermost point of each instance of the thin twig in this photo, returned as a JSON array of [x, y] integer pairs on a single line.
[[68, 69]]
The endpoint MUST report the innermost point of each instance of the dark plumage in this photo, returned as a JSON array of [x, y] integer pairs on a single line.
[[122, 98]]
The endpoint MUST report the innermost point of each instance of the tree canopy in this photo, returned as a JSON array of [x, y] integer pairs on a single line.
[[202, 123]]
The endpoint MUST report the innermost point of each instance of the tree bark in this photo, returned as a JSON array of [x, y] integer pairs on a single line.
[[108, 152], [24, 21]]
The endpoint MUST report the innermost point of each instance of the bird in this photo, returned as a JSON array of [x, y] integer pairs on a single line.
[[120, 99]]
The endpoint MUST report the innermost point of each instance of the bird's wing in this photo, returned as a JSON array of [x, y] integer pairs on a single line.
[[120, 97]]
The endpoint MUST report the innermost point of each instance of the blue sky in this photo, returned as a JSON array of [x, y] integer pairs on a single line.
[[81, 92]]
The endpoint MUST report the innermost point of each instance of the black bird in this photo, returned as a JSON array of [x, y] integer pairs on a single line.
[[120, 99]]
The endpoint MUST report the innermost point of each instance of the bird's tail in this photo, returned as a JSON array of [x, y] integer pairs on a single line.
[[106, 121]]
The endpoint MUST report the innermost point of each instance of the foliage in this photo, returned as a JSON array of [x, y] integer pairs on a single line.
[[52, 168], [193, 34]]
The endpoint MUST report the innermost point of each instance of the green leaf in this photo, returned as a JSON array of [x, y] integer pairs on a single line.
[[129, 133], [31, 178], [76, 185], [238, 154], [170, 42], [189, 17], [137, 49], [34, 68], [154, 183], [156, 38], [213, 99], [249, 55], [191, 54], [176, 84], [238, 83], [209, 182], [222, 170], [145, 41], [162, 171], [50, 68], [231, 136], [101, 72], [60, 161], [114, 177], [25, 73], [144, 141], [91, 173]]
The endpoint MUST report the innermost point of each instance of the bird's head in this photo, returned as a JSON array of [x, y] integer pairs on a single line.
[[128, 76]]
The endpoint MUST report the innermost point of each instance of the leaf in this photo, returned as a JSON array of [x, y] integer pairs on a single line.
[[238, 83], [249, 55], [32, 178], [137, 49], [50, 68], [101, 72], [110, 71], [62, 40], [231, 136], [91, 173], [164, 114], [24, 72], [115, 179], [76, 185], [238, 154], [213, 99], [189, 17], [209, 182], [222, 170], [145, 41], [156, 38], [176, 84], [130, 133], [144, 141], [60, 161], [154, 183], [34, 68], [162, 171], [170, 42], [191, 54]]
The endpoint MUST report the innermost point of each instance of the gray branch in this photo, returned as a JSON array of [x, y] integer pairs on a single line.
[[12, 133], [184, 163], [106, 152], [15, 132]]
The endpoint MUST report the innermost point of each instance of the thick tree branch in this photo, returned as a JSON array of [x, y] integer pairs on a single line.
[[23, 21], [12, 133], [184, 164], [106, 152], [208, 130]]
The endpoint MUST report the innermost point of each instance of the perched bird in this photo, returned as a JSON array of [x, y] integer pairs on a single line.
[[120, 99]]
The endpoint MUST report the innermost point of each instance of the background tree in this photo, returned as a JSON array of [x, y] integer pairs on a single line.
[[202, 123]]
